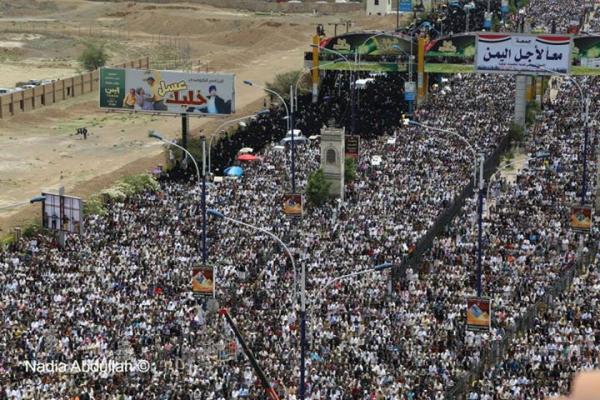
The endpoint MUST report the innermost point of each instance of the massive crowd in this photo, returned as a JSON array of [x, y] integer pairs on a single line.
[[121, 290]]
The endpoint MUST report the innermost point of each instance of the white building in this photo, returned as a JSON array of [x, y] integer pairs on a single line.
[[379, 7]]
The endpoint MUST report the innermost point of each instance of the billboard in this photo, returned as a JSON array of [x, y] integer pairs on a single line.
[[62, 213], [518, 53], [292, 204], [479, 313], [203, 283], [172, 92], [581, 218]]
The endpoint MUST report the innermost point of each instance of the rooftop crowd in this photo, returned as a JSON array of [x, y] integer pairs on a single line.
[[122, 290]]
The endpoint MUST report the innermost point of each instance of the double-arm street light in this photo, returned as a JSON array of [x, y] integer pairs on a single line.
[[480, 190], [155, 135], [227, 123], [36, 199], [321, 294], [222, 216], [585, 111], [352, 83], [288, 125], [470, 147]]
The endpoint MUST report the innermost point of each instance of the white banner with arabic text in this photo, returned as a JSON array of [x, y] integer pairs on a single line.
[[521, 53]]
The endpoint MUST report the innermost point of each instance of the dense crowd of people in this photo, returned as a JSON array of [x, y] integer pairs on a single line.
[[121, 291]]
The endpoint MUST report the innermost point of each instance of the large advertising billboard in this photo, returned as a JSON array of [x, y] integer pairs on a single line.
[[519, 53], [172, 92], [62, 213]]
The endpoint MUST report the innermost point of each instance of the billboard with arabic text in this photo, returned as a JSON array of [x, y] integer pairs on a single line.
[[172, 92], [519, 53]]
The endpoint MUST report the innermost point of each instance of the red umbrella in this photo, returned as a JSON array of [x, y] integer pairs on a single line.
[[247, 157]]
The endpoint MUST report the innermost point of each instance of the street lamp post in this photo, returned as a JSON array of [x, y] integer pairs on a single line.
[[320, 294], [155, 135], [480, 223], [287, 112], [220, 215], [35, 199], [352, 83], [223, 125], [585, 110], [454, 134]]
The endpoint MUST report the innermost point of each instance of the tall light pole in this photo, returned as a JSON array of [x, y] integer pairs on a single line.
[[155, 135], [222, 216], [227, 123], [352, 83], [287, 112], [321, 294], [454, 134], [36, 199], [585, 110], [480, 223]]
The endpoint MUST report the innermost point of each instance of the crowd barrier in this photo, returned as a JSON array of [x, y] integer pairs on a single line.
[[62, 89]]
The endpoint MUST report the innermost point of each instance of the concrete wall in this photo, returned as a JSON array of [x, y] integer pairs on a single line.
[[62, 89]]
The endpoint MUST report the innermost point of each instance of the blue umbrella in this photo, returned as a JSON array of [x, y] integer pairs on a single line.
[[234, 171]]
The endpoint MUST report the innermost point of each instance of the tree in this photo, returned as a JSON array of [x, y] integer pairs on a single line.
[[93, 57], [317, 190], [516, 133], [282, 83], [349, 170]]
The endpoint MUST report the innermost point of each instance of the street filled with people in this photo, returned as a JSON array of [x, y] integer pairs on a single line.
[[121, 291]]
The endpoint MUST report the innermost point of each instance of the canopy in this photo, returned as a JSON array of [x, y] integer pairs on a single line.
[[245, 150], [247, 157], [285, 140], [234, 171], [278, 148]]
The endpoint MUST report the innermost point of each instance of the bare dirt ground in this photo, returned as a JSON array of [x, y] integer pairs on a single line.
[[41, 40]]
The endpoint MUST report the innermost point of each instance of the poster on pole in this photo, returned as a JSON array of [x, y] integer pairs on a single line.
[[352, 143], [581, 218], [293, 204], [479, 313], [62, 213], [203, 283], [169, 92], [522, 53]]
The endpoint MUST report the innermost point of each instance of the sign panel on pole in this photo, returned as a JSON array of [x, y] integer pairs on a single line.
[[479, 311], [521, 53], [171, 92], [405, 6], [293, 204], [203, 283], [352, 144], [581, 218]]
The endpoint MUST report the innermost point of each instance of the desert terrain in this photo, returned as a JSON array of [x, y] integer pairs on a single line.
[[42, 39]]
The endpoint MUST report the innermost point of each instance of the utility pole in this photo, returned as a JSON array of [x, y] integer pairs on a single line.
[[480, 223]]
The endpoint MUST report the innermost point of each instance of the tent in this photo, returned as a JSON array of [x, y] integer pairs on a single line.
[[234, 171], [247, 157]]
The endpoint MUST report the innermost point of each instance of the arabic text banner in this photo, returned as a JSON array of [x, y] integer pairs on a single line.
[[172, 92], [515, 53]]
